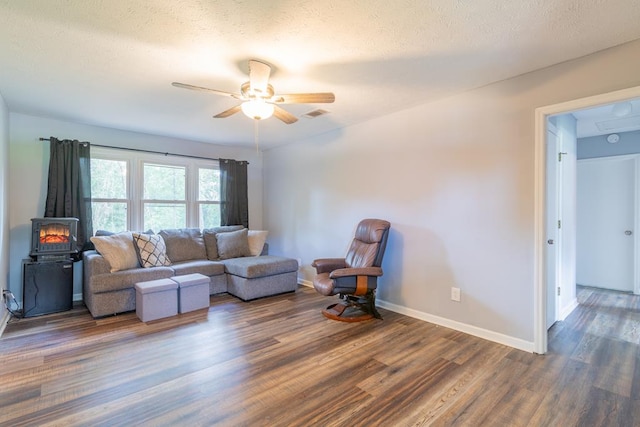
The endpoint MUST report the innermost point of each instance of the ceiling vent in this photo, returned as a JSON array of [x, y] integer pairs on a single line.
[[619, 125], [315, 113]]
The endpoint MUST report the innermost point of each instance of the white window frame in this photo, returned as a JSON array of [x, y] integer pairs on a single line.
[[135, 184]]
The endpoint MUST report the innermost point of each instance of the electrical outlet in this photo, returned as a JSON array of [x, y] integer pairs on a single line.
[[455, 294]]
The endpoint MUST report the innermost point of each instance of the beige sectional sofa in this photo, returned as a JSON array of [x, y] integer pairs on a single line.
[[232, 257]]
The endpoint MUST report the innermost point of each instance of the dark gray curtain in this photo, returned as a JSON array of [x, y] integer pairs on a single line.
[[234, 203], [69, 188]]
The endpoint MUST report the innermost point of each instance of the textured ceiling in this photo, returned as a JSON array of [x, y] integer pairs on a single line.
[[111, 62]]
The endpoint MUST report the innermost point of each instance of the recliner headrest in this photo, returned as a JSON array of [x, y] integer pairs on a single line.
[[371, 230]]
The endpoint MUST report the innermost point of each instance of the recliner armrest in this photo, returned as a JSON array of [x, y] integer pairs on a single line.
[[325, 265], [363, 271]]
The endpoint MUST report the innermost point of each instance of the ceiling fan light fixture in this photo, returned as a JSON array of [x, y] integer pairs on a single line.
[[257, 109]]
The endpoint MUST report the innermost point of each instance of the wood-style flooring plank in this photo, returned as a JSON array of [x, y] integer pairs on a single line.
[[278, 362]]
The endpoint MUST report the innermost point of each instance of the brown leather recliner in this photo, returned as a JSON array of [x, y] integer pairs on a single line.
[[355, 277]]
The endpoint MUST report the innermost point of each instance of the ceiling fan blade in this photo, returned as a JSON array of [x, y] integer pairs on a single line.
[[259, 77], [228, 112], [205, 89], [284, 115], [305, 98]]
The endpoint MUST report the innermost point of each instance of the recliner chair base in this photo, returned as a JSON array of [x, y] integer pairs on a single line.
[[353, 309]]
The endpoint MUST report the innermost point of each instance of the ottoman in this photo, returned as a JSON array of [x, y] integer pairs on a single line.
[[260, 276], [156, 299], [193, 292]]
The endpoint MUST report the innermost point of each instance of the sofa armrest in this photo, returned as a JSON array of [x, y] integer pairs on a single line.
[[325, 265], [363, 271], [93, 263]]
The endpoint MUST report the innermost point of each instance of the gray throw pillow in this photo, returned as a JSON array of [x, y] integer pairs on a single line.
[[184, 244], [210, 243], [233, 244], [226, 228], [210, 240]]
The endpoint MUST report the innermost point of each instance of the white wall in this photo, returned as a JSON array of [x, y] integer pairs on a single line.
[[597, 146], [456, 180], [29, 165], [4, 210]]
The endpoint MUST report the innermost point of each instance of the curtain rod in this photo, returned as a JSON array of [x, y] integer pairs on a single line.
[[148, 151]]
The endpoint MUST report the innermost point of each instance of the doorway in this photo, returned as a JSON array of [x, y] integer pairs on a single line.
[[542, 114]]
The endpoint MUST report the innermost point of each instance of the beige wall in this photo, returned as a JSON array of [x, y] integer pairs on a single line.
[[29, 160], [4, 203], [456, 180]]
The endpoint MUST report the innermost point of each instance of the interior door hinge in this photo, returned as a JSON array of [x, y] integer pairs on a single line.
[[559, 224], [558, 290]]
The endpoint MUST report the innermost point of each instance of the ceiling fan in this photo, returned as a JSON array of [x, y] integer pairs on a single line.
[[259, 101]]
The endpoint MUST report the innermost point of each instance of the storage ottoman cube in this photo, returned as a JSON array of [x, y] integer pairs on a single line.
[[256, 277], [156, 299], [193, 292]]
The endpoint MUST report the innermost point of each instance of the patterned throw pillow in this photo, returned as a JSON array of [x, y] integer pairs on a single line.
[[151, 249]]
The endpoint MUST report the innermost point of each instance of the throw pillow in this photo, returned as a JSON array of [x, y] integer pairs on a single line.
[[210, 243], [184, 244], [233, 244], [118, 250], [256, 238], [226, 228], [151, 250]]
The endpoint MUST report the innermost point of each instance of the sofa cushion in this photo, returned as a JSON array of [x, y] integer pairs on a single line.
[[184, 244], [257, 239], [206, 267], [253, 267], [118, 250], [151, 250], [127, 279], [233, 244]]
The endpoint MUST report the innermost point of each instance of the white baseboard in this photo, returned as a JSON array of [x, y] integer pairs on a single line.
[[452, 324], [566, 311], [307, 283], [3, 321], [459, 326], [77, 297]]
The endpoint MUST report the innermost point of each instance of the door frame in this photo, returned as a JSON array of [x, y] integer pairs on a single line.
[[540, 180]]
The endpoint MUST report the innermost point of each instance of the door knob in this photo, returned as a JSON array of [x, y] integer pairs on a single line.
[[628, 232], [550, 241]]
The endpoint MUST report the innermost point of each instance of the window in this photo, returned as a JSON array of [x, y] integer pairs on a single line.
[[141, 191], [109, 195], [209, 197], [164, 202]]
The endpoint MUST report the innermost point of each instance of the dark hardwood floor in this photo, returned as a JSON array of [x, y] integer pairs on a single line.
[[278, 362]]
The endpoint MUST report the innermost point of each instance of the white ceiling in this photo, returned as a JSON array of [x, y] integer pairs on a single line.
[[111, 62], [608, 119]]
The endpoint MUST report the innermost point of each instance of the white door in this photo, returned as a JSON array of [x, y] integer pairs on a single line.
[[552, 228], [605, 223]]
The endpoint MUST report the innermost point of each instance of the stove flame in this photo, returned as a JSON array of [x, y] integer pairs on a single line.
[[54, 233]]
